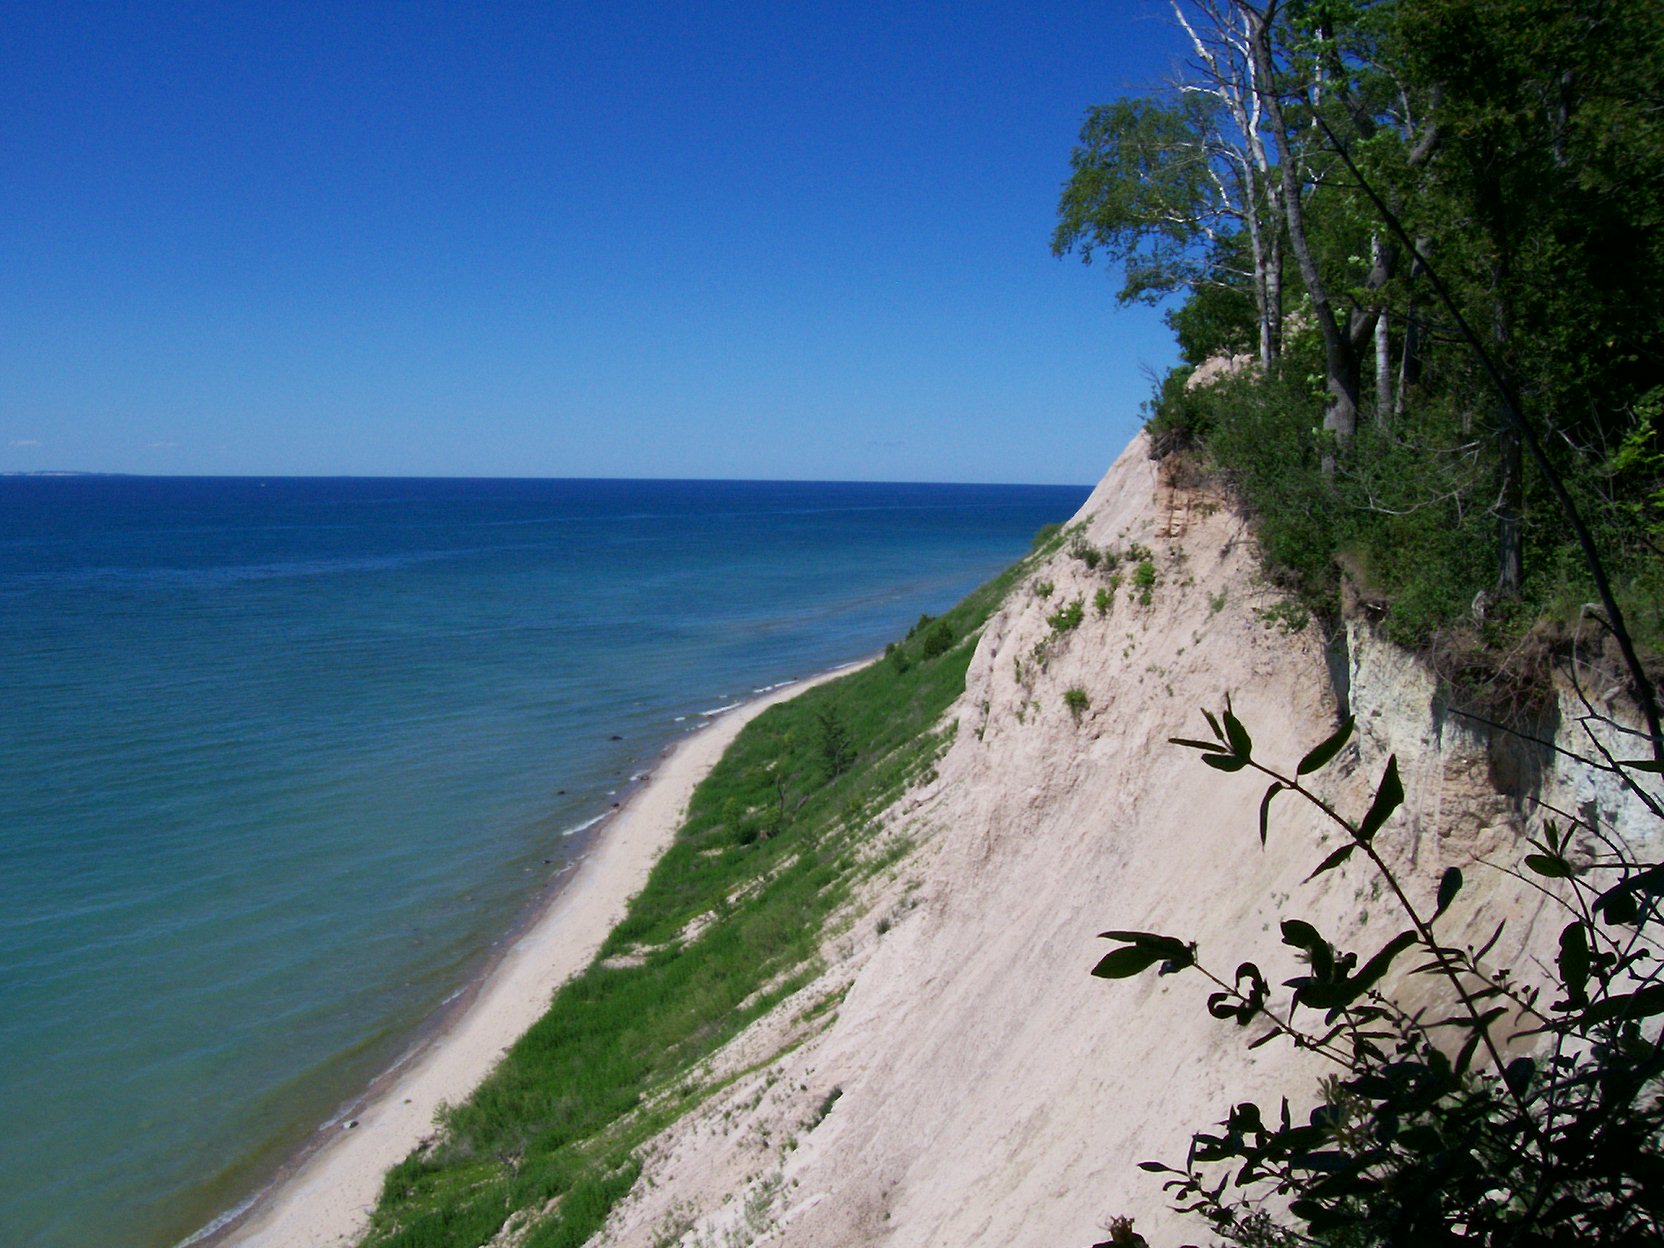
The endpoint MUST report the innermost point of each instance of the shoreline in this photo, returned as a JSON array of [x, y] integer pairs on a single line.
[[323, 1196]]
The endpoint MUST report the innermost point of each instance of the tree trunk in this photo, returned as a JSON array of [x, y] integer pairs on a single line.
[[1510, 506], [1340, 363], [1509, 515], [1410, 357], [1383, 369]]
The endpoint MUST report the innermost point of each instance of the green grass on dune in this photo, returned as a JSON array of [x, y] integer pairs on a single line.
[[774, 839]]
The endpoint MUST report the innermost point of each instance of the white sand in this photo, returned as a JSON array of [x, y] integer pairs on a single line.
[[328, 1200]]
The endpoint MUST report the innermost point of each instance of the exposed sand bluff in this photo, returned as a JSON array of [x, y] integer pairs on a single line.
[[989, 1091]]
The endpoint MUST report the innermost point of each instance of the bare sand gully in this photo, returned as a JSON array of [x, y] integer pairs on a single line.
[[328, 1198]]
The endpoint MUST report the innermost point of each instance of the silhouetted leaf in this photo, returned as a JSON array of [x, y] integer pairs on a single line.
[[1125, 962], [1302, 935], [1213, 723], [1163, 946], [1276, 787], [1450, 883], [1388, 796], [1377, 966], [1242, 745], [1621, 903], [1225, 762], [1642, 764], [1207, 747], [1642, 1003], [1333, 860], [1495, 936], [1321, 754], [1518, 1074], [1551, 866], [1573, 964], [1464, 1059]]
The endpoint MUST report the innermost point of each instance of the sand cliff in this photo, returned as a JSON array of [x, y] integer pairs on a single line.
[[955, 1075]]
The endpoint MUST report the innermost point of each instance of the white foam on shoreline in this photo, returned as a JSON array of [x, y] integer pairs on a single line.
[[585, 826]]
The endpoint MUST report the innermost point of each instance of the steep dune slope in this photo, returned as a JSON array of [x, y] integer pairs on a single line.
[[956, 1076]]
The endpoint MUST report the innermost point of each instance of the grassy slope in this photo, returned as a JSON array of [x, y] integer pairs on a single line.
[[772, 844]]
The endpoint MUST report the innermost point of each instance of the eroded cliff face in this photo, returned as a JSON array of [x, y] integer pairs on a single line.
[[956, 1076]]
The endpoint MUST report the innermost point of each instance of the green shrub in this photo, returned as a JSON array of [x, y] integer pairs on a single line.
[[1087, 553], [939, 640], [1104, 599], [1144, 580], [1177, 418], [1043, 589], [896, 656], [1077, 702], [837, 749], [1067, 619]]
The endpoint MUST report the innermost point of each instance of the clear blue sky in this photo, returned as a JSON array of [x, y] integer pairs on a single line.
[[776, 240]]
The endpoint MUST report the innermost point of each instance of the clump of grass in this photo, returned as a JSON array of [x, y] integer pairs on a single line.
[[1287, 617], [1077, 702], [1043, 589]]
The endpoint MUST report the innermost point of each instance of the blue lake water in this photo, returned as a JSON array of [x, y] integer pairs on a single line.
[[280, 760]]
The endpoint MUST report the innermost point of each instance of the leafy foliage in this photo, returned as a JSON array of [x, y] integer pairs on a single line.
[[1520, 145], [1428, 1132]]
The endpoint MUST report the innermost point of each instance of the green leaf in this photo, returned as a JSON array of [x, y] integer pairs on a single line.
[[1277, 786], [1388, 797], [1450, 883], [1551, 866], [1333, 860], [1321, 754], [1242, 745]]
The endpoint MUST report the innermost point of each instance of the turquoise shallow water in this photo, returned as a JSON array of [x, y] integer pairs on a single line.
[[279, 761]]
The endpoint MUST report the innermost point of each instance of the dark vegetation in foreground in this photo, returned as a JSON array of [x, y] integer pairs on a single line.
[[775, 839], [1502, 1112]]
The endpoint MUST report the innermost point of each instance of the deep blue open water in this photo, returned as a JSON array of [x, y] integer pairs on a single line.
[[280, 759]]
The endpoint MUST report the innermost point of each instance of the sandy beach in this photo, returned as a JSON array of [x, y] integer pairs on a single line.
[[327, 1200]]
